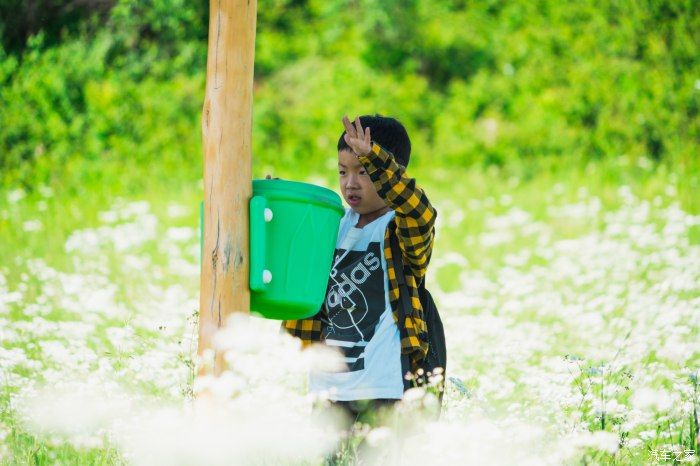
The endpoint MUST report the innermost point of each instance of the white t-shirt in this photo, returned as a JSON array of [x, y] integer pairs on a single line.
[[357, 317]]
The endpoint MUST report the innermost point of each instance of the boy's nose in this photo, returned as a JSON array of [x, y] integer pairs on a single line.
[[352, 182]]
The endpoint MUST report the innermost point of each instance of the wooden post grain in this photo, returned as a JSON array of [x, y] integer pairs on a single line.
[[226, 131]]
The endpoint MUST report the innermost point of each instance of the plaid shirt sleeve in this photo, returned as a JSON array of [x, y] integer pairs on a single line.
[[415, 228], [307, 330], [415, 216]]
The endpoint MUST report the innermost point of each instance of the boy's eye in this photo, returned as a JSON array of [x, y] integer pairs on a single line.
[[342, 172]]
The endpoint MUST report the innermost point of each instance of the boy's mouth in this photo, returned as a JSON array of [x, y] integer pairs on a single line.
[[353, 199]]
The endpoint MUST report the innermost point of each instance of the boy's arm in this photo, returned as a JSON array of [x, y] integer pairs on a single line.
[[415, 216]]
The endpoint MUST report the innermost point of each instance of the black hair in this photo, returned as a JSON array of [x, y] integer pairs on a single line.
[[387, 132]]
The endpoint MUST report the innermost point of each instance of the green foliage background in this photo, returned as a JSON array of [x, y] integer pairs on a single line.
[[476, 83]]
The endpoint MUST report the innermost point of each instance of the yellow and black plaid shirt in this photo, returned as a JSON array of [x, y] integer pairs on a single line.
[[414, 223]]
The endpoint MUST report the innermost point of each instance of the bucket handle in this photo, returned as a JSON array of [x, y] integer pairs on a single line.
[[260, 277]]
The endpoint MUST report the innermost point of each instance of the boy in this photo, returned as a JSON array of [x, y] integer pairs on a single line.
[[360, 313]]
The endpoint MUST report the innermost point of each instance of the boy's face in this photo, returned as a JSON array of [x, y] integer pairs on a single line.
[[356, 185]]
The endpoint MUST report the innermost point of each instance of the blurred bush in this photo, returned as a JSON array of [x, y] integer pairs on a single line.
[[21, 19], [487, 82]]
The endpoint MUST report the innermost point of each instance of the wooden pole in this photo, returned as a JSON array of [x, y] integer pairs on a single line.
[[226, 131]]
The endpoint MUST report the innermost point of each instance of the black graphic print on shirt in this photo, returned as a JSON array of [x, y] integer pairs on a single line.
[[355, 299]]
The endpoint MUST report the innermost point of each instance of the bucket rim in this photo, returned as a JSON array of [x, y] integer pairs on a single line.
[[297, 189]]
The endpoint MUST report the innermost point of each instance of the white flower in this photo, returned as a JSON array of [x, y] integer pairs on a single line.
[[378, 435], [45, 191], [13, 197], [650, 399], [32, 225], [180, 233], [599, 440], [177, 210]]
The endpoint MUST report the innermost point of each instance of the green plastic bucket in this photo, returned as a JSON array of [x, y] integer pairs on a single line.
[[293, 231]]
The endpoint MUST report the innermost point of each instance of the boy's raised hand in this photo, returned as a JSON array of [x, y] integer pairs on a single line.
[[359, 141]]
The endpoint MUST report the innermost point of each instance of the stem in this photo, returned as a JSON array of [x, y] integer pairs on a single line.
[[694, 429], [602, 398]]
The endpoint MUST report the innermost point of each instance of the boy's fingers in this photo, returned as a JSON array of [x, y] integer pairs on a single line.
[[352, 142], [358, 126], [348, 126]]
